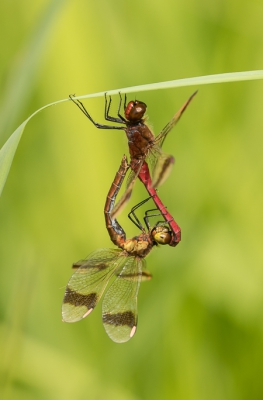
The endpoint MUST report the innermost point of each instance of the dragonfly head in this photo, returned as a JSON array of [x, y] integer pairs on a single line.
[[161, 234], [135, 110]]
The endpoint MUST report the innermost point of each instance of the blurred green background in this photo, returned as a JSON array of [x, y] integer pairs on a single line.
[[200, 333]]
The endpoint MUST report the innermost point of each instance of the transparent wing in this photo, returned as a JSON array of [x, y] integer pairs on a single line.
[[160, 162], [127, 274], [161, 165], [119, 307], [146, 275], [162, 135], [88, 283]]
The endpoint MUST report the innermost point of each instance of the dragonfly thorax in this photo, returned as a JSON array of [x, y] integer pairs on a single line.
[[138, 246], [140, 140]]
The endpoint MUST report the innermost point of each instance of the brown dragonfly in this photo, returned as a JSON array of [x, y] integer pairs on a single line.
[[144, 149], [125, 267]]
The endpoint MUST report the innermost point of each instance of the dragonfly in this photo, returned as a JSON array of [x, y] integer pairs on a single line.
[[117, 272], [145, 149]]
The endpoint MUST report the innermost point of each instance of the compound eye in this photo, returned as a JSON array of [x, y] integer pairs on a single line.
[[161, 235], [135, 110]]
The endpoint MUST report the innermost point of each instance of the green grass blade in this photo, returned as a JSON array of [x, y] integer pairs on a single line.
[[196, 81], [8, 150], [7, 154]]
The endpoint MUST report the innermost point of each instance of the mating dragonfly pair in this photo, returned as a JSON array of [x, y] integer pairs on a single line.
[[125, 267]]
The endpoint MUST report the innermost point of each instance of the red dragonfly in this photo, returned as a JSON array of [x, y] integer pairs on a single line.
[[125, 267], [144, 148]]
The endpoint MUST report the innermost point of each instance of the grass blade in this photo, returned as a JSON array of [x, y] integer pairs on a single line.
[[196, 81], [7, 154]]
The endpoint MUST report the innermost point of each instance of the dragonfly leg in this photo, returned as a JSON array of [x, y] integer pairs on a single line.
[[107, 110], [119, 109], [81, 106], [148, 215], [133, 217]]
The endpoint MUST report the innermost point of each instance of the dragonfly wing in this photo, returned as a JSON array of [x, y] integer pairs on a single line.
[[162, 135], [119, 307], [146, 275], [160, 162], [88, 283], [161, 168]]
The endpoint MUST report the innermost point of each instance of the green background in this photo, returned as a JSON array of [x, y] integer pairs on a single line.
[[200, 332]]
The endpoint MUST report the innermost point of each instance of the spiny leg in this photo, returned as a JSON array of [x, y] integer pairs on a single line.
[[133, 217], [147, 216], [119, 109], [107, 110], [81, 106]]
